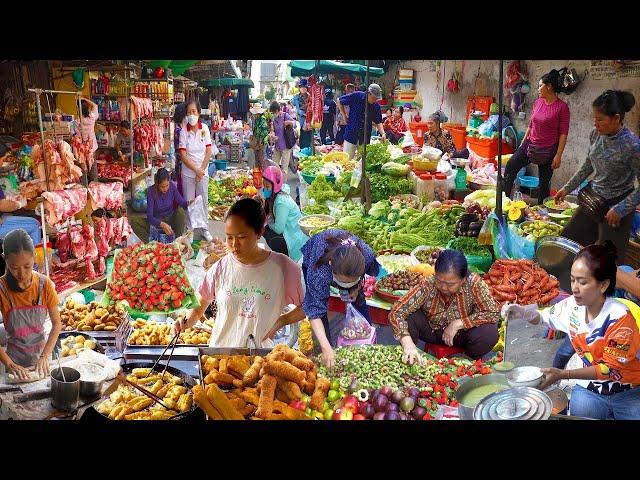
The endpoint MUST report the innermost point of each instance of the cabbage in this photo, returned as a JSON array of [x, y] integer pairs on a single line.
[[380, 209], [395, 169]]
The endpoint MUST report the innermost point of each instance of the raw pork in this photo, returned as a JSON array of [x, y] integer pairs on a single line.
[[106, 195], [63, 244], [63, 204], [78, 244]]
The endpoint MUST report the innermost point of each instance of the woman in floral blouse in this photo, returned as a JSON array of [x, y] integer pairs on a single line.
[[437, 137], [454, 307], [394, 126]]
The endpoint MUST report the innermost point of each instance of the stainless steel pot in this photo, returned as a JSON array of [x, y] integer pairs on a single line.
[[91, 388], [466, 384], [65, 394]]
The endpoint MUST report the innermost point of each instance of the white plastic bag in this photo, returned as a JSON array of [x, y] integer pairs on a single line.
[[197, 213], [431, 153]]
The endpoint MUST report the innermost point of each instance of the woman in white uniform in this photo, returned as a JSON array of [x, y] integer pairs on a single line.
[[195, 152]]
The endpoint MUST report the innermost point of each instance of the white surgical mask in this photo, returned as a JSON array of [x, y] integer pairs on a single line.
[[192, 119], [345, 285]]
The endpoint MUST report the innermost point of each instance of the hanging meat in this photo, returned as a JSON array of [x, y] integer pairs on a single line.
[[109, 170], [121, 230], [141, 107], [78, 244], [63, 244], [315, 106], [106, 195], [91, 251], [83, 150], [59, 160], [64, 204]]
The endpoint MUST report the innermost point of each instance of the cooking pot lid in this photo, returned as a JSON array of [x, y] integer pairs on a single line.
[[520, 403], [556, 256]]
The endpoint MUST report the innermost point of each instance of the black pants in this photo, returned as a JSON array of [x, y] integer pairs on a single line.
[[340, 135], [476, 341], [394, 138], [275, 241], [327, 128], [519, 160], [582, 228]]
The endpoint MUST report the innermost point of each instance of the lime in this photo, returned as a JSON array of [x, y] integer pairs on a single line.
[[335, 385], [333, 395]]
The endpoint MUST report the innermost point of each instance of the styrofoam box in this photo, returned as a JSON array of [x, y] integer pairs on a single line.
[[406, 73]]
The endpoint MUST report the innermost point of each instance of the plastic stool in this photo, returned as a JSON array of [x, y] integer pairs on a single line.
[[441, 350]]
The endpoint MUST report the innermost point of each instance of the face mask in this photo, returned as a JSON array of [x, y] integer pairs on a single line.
[[266, 193], [345, 285], [192, 119]]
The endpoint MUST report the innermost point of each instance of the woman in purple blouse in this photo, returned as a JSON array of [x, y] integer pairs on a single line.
[[165, 210]]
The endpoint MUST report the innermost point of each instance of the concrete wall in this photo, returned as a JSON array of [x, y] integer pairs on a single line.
[[454, 104]]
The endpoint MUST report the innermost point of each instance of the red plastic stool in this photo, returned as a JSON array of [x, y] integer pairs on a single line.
[[441, 350]]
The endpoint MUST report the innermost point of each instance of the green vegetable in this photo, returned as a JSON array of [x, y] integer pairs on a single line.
[[395, 169], [380, 209], [322, 191], [377, 155], [384, 187], [469, 246], [316, 210]]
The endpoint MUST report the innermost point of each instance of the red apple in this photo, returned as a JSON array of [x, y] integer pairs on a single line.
[[351, 403], [359, 417], [343, 414]]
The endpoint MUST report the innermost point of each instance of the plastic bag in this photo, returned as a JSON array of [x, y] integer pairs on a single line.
[[197, 213], [431, 153], [356, 326], [507, 243]]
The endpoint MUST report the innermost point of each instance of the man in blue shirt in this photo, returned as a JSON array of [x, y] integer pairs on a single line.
[[354, 133]]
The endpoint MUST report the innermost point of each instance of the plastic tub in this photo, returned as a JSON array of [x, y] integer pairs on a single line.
[[418, 129], [487, 148], [221, 164], [529, 182]]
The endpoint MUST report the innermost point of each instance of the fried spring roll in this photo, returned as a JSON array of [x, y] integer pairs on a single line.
[[320, 393], [201, 399], [303, 363], [291, 389], [250, 395], [285, 371], [251, 375], [310, 383], [265, 405]]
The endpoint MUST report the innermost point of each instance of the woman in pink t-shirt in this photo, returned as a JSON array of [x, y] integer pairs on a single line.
[[250, 285], [88, 133], [545, 138]]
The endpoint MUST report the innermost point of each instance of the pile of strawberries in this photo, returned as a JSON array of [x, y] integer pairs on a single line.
[[149, 277]]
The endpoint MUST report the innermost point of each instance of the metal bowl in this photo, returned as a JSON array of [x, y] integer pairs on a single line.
[[466, 384], [525, 377], [307, 229], [569, 198]]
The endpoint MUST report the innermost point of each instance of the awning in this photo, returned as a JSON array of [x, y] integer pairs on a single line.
[[302, 68], [178, 67], [227, 82]]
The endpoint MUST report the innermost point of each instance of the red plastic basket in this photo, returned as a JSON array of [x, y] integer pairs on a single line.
[[440, 351], [487, 148]]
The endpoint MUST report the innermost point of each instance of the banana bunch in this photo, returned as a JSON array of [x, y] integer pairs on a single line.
[[305, 337]]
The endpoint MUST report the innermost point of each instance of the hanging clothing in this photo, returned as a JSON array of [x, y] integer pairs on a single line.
[[243, 100]]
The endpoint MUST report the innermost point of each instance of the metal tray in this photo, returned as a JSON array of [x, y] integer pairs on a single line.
[[63, 335], [556, 256], [519, 403], [128, 367]]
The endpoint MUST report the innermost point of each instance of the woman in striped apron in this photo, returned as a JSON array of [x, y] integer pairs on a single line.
[[27, 301]]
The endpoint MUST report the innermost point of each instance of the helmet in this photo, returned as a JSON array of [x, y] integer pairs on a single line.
[[275, 176]]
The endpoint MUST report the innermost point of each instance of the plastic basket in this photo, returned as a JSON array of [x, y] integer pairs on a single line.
[[481, 262], [487, 148], [310, 178], [529, 182], [221, 164]]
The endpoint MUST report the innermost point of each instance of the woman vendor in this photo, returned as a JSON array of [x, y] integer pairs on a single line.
[[9, 223], [545, 137], [27, 301], [331, 258], [614, 161], [251, 286], [283, 234], [438, 138], [165, 210], [454, 307], [195, 152], [603, 332], [394, 126]]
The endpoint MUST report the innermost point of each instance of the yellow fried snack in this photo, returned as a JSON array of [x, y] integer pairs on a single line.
[[303, 363], [126, 410], [141, 372], [222, 379], [222, 403], [223, 365], [202, 400], [267, 395], [175, 392], [285, 371], [184, 403], [248, 410], [237, 366], [251, 375], [310, 383], [320, 393], [156, 387], [250, 395], [140, 404], [164, 390]]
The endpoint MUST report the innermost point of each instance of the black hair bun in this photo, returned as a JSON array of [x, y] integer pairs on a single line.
[[626, 99]]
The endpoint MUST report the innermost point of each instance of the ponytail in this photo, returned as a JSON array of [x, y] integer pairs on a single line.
[[601, 261], [345, 254]]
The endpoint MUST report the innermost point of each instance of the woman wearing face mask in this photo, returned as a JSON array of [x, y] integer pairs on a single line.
[[283, 234], [604, 334], [195, 153], [614, 161], [250, 286], [454, 308], [331, 258], [545, 138], [27, 301]]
